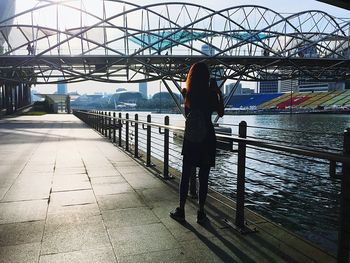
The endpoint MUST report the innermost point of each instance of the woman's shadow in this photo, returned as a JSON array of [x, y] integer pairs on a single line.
[[220, 252]]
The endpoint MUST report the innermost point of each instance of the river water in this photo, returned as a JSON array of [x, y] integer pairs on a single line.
[[293, 191]]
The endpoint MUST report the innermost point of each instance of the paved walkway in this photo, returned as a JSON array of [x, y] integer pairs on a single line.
[[68, 195]]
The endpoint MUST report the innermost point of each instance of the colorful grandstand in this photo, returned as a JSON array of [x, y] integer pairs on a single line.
[[251, 100], [297, 100]]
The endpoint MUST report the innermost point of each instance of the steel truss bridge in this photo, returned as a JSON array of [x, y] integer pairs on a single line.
[[116, 41]]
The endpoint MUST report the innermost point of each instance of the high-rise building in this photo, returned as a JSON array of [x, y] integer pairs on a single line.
[[62, 88], [143, 89]]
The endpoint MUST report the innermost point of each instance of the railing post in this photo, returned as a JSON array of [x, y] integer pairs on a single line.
[[105, 124], [114, 123], [99, 122], [94, 119], [166, 149], [127, 132], [109, 126], [333, 169], [148, 157], [344, 230], [136, 136], [120, 130], [241, 176]]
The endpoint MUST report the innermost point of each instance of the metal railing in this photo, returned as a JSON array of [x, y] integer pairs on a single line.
[[264, 176]]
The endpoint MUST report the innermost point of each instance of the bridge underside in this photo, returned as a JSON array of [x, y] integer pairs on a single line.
[[46, 69]]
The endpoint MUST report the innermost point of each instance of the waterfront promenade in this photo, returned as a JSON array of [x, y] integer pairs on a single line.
[[69, 195]]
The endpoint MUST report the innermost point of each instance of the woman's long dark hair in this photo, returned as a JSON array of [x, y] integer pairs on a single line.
[[197, 85]]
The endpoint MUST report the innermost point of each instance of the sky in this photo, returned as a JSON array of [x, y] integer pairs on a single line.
[[281, 6]]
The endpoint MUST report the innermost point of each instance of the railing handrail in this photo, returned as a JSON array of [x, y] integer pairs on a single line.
[[102, 122], [342, 158]]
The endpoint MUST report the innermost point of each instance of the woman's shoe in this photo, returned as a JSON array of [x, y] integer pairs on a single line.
[[178, 214], [201, 217]]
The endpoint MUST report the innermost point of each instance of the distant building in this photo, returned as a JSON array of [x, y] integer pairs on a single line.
[[312, 86], [247, 91], [165, 96], [208, 50], [62, 88], [288, 85], [269, 83], [230, 86], [296, 85], [143, 89], [268, 86], [122, 97], [120, 89]]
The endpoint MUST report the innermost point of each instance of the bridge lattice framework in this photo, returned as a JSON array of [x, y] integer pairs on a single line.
[[116, 41]]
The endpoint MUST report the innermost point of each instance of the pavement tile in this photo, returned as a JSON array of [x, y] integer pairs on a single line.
[[163, 193], [131, 169], [143, 181], [163, 208], [71, 182], [56, 222], [109, 189], [69, 170], [23, 211], [124, 162], [174, 256], [28, 253], [103, 172], [129, 217], [21, 233], [74, 234], [103, 255], [182, 232], [209, 250], [107, 180], [26, 192], [141, 239], [119, 201], [71, 198]]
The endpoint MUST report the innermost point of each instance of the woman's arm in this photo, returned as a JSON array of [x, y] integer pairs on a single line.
[[218, 102], [220, 105]]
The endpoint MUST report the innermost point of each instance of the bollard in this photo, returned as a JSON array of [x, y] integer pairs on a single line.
[[127, 132], [344, 229], [109, 126], [114, 133], [241, 176], [166, 150], [136, 152], [148, 157], [120, 130]]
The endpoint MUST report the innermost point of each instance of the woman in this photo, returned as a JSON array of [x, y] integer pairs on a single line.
[[204, 98]]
